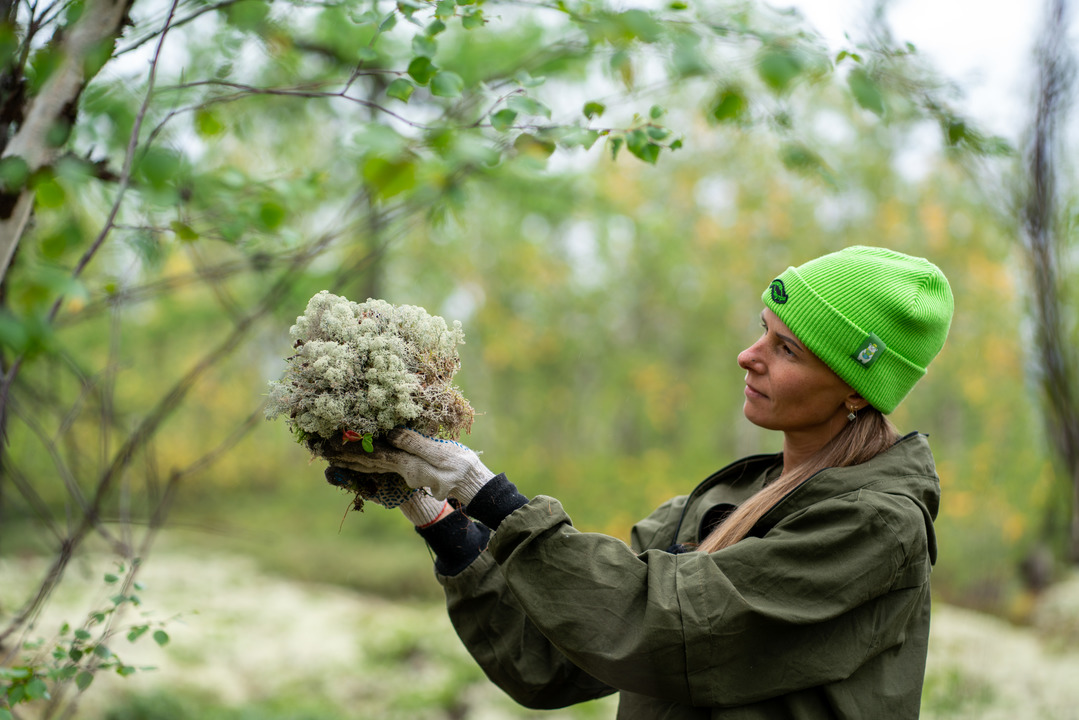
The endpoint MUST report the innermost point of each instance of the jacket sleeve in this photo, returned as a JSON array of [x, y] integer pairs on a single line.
[[801, 607], [512, 651]]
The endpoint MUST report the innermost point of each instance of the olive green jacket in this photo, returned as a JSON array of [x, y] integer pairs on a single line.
[[822, 612]]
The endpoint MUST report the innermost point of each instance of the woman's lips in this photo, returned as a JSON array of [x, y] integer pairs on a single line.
[[752, 392]]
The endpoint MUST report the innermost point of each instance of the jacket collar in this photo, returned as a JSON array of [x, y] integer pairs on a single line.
[[905, 469]]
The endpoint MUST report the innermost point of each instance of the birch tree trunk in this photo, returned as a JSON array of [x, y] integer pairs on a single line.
[[53, 109], [1044, 241]]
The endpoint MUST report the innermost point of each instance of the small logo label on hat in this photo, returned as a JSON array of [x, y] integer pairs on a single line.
[[870, 349], [779, 293]]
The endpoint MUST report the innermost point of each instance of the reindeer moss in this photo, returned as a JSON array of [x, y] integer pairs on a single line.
[[366, 368]]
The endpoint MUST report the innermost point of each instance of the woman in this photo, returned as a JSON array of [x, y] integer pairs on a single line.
[[793, 585]]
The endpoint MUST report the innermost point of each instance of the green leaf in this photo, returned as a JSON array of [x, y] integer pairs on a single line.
[[408, 8], [503, 119], [445, 9], [58, 133], [9, 43], [447, 84], [641, 24], [75, 654], [247, 14], [388, 178], [110, 578], [389, 22], [528, 106], [529, 145], [82, 635], [83, 680], [207, 123], [161, 637], [656, 112], [368, 443], [125, 670], [865, 91], [956, 132], [49, 194], [183, 231], [798, 157], [638, 143], [158, 167], [5, 714], [580, 137], [366, 53], [656, 132], [593, 109], [424, 46], [525, 79], [615, 143], [421, 69], [401, 89], [728, 105], [436, 27], [37, 690], [778, 66], [473, 20], [102, 652], [14, 172], [16, 673], [136, 632], [271, 215]]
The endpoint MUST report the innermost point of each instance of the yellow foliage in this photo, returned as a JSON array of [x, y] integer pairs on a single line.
[[934, 219], [1013, 527], [974, 386], [957, 504]]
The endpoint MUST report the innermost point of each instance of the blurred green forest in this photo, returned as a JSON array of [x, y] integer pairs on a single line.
[[604, 306], [599, 195]]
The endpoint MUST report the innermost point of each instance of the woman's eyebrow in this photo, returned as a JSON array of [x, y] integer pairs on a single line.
[[784, 338], [789, 341]]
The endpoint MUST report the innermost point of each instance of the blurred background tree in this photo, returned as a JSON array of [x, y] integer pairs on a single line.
[[599, 194]]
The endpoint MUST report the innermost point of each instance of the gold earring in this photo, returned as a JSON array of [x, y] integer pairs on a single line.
[[852, 415]]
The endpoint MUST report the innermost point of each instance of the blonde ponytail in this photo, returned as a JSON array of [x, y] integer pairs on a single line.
[[859, 441]]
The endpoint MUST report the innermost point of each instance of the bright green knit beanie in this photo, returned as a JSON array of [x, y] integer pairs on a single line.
[[875, 316]]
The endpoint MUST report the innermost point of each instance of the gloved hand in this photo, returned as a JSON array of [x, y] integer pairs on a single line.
[[446, 467], [383, 488]]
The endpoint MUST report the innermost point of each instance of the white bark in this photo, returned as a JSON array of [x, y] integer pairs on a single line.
[[101, 21]]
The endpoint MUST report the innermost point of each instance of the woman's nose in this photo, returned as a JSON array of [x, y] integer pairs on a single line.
[[749, 359]]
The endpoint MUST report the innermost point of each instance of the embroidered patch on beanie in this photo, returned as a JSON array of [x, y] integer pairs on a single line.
[[871, 349], [779, 293]]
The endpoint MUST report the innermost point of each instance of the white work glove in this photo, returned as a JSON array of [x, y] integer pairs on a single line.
[[422, 509], [446, 468], [390, 491]]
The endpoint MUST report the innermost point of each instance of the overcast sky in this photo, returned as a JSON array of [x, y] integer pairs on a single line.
[[983, 45]]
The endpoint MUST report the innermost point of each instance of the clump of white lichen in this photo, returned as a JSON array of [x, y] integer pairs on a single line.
[[362, 369]]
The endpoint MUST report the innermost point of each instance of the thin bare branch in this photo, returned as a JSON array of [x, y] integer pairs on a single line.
[[71, 485], [129, 156]]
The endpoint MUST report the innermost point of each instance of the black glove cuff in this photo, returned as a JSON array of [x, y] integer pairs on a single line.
[[495, 500], [456, 542]]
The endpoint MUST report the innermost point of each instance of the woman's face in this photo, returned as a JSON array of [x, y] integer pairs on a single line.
[[788, 388]]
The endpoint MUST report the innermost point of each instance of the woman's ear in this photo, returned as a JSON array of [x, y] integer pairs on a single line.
[[856, 401]]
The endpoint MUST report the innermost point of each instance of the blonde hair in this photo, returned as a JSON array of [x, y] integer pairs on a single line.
[[859, 441]]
